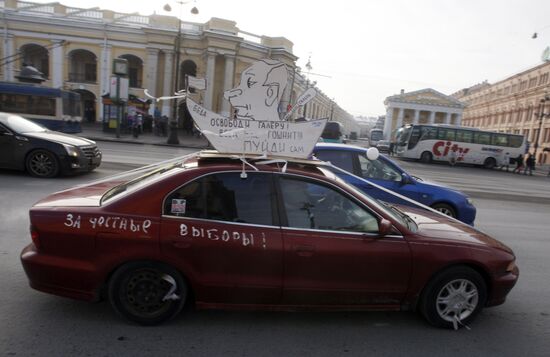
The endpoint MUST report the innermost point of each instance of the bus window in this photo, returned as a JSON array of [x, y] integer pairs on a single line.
[[499, 139], [428, 133], [446, 134], [482, 138], [515, 141], [464, 136]]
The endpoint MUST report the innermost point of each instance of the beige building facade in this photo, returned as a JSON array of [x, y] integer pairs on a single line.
[[75, 48], [512, 105], [425, 106]]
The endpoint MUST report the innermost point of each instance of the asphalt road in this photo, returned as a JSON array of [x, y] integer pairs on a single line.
[[37, 324]]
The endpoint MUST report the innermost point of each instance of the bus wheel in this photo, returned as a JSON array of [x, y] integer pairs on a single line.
[[489, 163], [426, 157]]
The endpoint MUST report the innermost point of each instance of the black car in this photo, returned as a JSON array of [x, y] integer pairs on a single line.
[[25, 145]]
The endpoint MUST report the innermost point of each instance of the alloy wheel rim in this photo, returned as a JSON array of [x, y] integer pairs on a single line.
[[144, 293], [41, 164], [445, 211], [457, 300]]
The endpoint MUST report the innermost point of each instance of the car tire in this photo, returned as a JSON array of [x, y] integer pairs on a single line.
[[147, 293], [445, 209], [456, 292], [42, 163], [489, 163], [426, 157]]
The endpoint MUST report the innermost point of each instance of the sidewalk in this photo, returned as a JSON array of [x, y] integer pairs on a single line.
[[93, 131]]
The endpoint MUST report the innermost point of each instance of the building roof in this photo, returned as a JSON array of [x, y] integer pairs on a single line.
[[426, 96]]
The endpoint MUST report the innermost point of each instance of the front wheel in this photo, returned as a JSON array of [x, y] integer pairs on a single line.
[[445, 209], [453, 298], [42, 163], [147, 293], [426, 157]]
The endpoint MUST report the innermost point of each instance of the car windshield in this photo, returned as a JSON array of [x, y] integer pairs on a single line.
[[21, 125]]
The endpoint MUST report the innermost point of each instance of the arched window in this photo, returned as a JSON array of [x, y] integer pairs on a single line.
[[36, 56], [135, 70], [187, 67], [82, 66]]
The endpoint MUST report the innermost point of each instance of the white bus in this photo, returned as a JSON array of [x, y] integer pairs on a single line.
[[375, 135], [442, 142]]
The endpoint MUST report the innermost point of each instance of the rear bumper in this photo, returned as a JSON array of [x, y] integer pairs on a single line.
[[501, 287], [60, 276]]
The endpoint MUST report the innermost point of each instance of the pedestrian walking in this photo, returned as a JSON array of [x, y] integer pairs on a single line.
[[392, 148], [519, 164], [452, 157], [505, 162], [529, 165]]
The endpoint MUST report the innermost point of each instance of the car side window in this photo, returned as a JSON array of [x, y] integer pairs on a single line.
[[315, 206], [378, 169], [339, 158], [224, 197]]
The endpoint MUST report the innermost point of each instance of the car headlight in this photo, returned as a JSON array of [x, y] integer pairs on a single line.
[[470, 201], [71, 150]]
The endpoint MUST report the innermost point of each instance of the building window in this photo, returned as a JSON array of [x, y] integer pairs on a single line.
[[522, 85], [543, 79], [532, 82], [514, 88]]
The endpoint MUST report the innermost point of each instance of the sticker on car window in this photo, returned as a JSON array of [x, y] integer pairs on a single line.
[[178, 206]]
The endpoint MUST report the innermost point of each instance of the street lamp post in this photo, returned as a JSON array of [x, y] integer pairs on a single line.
[[173, 137], [541, 114]]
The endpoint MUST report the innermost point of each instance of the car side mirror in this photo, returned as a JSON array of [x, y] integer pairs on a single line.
[[384, 227], [406, 179]]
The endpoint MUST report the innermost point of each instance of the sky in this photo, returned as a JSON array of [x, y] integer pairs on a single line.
[[363, 51]]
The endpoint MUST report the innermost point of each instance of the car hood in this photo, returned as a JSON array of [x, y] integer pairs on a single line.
[[435, 226], [80, 196], [60, 138], [437, 185]]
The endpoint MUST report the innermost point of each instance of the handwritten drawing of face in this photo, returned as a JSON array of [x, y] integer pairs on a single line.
[[258, 94]]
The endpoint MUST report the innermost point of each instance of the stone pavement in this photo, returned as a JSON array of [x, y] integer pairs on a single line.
[[94, 131]]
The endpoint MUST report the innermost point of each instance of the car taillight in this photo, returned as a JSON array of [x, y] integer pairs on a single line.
[[35, 236]]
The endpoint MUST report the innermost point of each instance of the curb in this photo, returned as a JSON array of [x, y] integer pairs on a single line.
[[506, 197]]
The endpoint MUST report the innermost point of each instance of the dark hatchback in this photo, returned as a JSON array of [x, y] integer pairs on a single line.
[[27, 146]]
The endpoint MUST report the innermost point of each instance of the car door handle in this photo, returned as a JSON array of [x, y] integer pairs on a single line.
[[304, 250]]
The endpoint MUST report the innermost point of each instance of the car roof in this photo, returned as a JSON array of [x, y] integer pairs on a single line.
[[337, 146]]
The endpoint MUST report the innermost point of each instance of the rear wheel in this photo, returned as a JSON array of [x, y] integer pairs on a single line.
[[42, 163], [489, 163], [454, 297], [148, 293], [445, 209], [426, 157]]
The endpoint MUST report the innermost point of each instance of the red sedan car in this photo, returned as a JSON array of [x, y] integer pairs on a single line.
[[264, 235]]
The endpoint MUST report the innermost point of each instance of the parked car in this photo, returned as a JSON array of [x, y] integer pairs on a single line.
[[383, 146], [385, 172], [221, 234], [25, 145]]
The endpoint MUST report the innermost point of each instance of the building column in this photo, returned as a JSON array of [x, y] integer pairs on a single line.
[[151, 75], [9, 50], [168, 87], [458, 119], [210, 74], [57, 63], [227, 82], [388, 123], [416, 117], [447, 118], [432, 118], [400, 115]]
